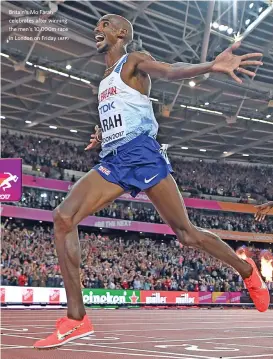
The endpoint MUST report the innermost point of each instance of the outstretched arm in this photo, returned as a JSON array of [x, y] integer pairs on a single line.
[[226, 63]]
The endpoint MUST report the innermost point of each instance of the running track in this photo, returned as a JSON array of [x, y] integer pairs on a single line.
[[129, 334]]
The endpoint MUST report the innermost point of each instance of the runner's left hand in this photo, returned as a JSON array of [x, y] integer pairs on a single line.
[[227, 62]]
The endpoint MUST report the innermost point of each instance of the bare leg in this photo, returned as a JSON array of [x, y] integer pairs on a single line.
[[170, 205], [90, 194]]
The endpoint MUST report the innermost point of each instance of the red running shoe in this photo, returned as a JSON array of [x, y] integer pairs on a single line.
[[66, 331], [257, 288]]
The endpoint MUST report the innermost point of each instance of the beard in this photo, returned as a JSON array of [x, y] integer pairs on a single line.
[[103, 48]]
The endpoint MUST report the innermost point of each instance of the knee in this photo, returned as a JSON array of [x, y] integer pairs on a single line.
[[189, 236], [62, 221]]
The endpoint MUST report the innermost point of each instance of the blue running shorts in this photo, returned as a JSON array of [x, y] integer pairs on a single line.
[[136, 165]]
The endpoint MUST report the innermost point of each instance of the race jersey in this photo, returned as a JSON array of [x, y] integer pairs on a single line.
[[124, 112]]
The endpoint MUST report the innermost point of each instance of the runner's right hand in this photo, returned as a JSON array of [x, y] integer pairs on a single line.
[[95, 140]]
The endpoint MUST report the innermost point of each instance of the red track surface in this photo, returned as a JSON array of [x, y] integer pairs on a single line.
[[126, 334]]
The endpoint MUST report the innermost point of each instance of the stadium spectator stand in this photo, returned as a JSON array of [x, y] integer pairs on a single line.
[[200, 177], [45, 199], [29, 258]]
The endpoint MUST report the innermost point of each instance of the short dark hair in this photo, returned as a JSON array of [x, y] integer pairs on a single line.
[[124, 24]]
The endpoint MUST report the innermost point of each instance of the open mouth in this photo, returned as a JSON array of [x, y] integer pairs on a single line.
[[99, 38]]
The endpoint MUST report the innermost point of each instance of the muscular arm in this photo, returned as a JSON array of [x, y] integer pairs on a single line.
[[226, 62], [177, 71]]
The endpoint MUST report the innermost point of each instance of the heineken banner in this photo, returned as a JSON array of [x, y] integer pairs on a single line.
[[111, 297]]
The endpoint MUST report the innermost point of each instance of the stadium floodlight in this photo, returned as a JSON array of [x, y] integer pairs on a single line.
[[223, 27], [85, 81], [247, 22], [230, 30], [192, 83]]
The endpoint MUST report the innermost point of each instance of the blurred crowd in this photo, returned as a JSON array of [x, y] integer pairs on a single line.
[[198, 177], [47, 155], [231, 221], [29, 259]]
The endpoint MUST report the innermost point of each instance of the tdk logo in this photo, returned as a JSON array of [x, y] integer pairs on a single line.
[[107, 107]]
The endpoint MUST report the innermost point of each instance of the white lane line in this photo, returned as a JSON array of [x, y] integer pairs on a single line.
[[15, 330], [124, 349], [150, 351], [32, 320], [5, 347], [252, 356], [132, 354], [244, 345], [140, 318], [196, 348], [194, 339], [149, 326], [20, 336], [94, 339], [29, 333], [176, 329], [142, 336], [31, 326]]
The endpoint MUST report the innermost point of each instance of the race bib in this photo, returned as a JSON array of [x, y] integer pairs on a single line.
[[163, 151], [112, 122]]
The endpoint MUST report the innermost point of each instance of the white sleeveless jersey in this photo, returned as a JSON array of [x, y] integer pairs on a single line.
[[124, 112]]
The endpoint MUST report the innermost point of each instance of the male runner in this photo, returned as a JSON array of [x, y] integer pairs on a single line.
[[131, 161]]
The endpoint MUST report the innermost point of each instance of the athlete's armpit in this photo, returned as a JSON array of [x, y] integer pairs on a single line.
[[145, 63]]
